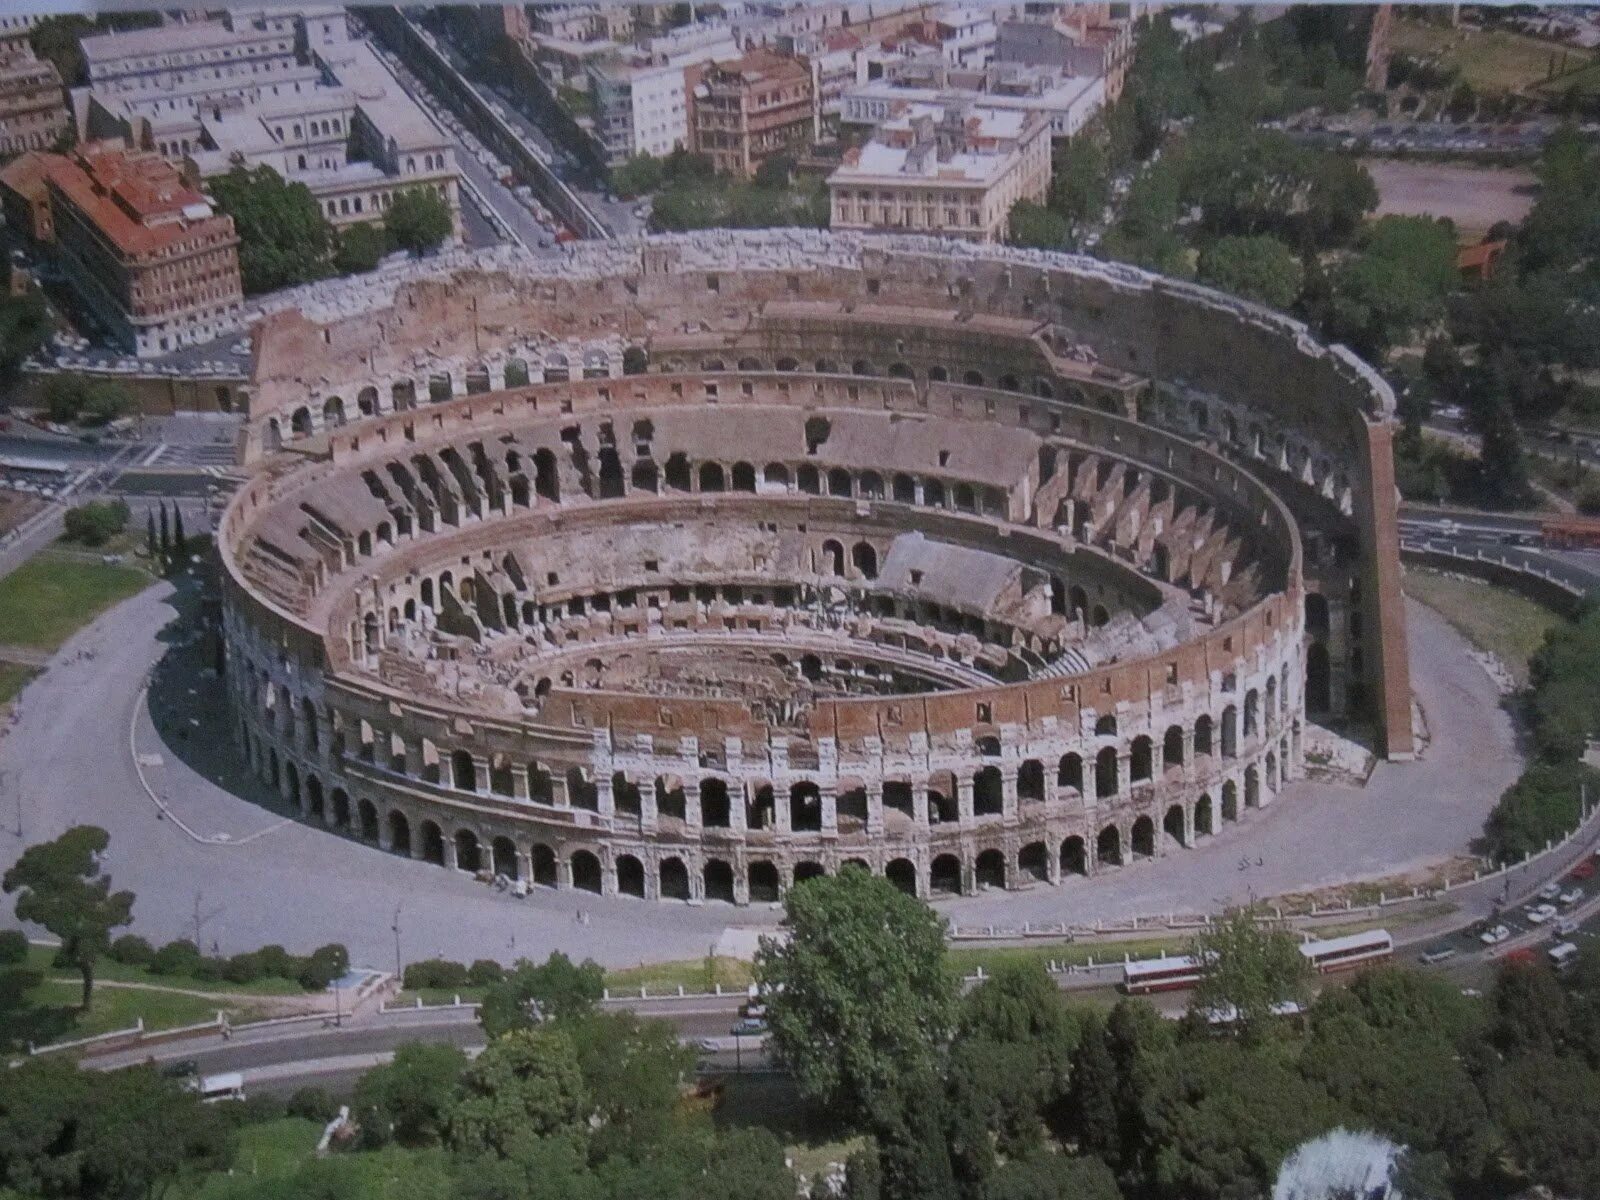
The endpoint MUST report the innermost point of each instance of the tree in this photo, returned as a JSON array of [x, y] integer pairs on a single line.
[[284, 239], [1034, 225], [70, 397], [858, 996], [180, 542], [410, 1098], [1249, 968], [97, 522], [1261, 268], [533, 992], [1092, 1102], [638, 176], [418, 220], [1045, 1176], [1547, 1106], [166, 534], [633, 1068], [1397, 282], [24, 328], [1081, 184], [150, 533], [361, 248], [524, 1084], [60, 885]]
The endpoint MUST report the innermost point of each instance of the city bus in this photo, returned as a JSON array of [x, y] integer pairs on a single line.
[[1160, 975], [1353, 950], [1571, 533]]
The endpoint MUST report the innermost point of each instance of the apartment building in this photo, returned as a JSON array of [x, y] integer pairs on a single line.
[[146, 253], [745, 111], [1066, 102], [33, 106], [953, 169]]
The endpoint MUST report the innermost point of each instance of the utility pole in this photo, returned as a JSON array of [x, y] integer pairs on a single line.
[[399, 974]]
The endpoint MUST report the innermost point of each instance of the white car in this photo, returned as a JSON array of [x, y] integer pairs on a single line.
[[1550, 891], [1540, 913], [1493, 937], [1571, 896]]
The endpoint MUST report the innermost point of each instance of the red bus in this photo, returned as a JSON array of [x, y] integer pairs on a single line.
[[1160, 975], [1571, 533], [1343, 953]]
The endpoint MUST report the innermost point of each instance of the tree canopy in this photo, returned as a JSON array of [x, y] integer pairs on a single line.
[[532, 992], [1259, 268], [61, 886], [284, 239], [1249, 968], [418, 220]]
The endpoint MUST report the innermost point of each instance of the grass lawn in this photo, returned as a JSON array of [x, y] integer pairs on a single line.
[[1491, 618], [13, 678], [690, 973], [40, 958], [48, 598], [270, 1150], [967, 959], [1490, 60]]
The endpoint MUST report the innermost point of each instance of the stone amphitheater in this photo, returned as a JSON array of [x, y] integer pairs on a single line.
[[692, 567]]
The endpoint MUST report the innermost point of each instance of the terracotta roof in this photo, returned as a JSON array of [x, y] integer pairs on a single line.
[[137, 200], [26, 173]]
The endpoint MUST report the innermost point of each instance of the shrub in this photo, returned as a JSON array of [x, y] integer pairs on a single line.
[[325, 964], [208, 970], [311, 1103], [175, 958], [96, 523], [435, 973], [277, 962], [13, 947], [132, 950], [243, 968], [484, 972]]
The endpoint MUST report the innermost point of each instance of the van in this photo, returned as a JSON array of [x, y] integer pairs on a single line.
[[1562, 954], [1437, 953], [214, 1089]]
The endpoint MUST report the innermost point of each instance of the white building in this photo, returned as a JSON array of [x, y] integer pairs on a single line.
[[968, 32], [952, 168], [1065, 102], [641, 100]]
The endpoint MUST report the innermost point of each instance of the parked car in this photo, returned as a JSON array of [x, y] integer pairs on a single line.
[[1565, 927], [1550, 891], [1571, 896], [749, 1027], [1538, 914], [1562, 954], [1437, 953], [1494, 936]]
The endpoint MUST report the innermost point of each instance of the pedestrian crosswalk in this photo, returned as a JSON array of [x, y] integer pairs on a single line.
[[193, 454]]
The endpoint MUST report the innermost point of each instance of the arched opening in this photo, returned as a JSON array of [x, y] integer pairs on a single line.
[[711, 477], [944, 876], [1108, 846], [1172, 824], [586, 872], [942, 807], [865, 560], [399, 833], [1074, 857], [333, 412], [1230, 801], [1204, 818], [1252, 787], [1319, 679], [300, 422], [467, 858], [630, 876], [544, 865], [718, 877], [744, 477], [764, 883], [775, 475], [1069, 773], [1144, 837], [839, 483], [805, 807], [341, 809], [904, 489], [1033, 862], [546, 475], [902, 872], [674, 879], [1141, 760], [463, 771], [808, 870], [990, 869], [581, 792], [1317, 614], [1230, 732], [1202, 735], [1106, 726], [1252, 713], [832, 558], [972, 378], [1172, 748], [1105, 772], [367, 817], [644, 476], [987, 793], [504, 853], [432, 843], [1030, 780], [714, 807]]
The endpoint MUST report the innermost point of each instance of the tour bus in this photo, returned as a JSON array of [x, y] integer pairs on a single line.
[[1160, 975], [1342, 953], [214, 1089]]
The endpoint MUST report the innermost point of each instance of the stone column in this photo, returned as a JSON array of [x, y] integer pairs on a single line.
[[449, 844], [605, 800], [1008, 796], [1052, 863], [964, 802], [519, 782], [480, 776], [647, 808], [384, 841], [782, 814], [875, 808], [741, 882], [525, 865], [829, 803], [1188, 754], [737, 800], [919, 804], [691, 803]]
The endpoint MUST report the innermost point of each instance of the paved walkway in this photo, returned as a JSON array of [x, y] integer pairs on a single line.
[[255, 878]]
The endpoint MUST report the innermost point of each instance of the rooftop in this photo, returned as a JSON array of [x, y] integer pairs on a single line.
[[137, 200], [959, 143]]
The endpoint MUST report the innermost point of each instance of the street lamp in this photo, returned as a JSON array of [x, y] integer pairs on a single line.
[[395, 925]]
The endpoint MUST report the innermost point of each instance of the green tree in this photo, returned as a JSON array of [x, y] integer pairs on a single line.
[[1547, 1107], [150, 533], [361, 248], [180, 541], [1093, 1117], [1261, 268], [1398, 282], [1046, 1176], [24, 328], [1081, 184], [410, 1098], [638, 176], [97, 522], [284, 240], [524, 1084], [60, 885], [1249, 968], [633, 1068], [1035, 226], [418, 220], [858, 995], [533, 992]]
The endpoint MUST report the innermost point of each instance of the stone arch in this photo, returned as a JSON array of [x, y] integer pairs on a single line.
[[944, 875], [1230, 801], [1319, 679], [864, 557], [902, 873], [314, 801], [630, 876], [990, 869], [1252, 713], [1205, 820], [367, 820], [1106, 726], [988, 797], [775, 474], [673, 877], [399, 832], [1074, 856], [544, 865], [1105, 772], [1202, 735], [744, 477], [1108, 846], [712, 478], [1143, 841], [1172, 748], [503, 855], [718, 879], [1172, 824], [809, 869], [1230, 732], [1030, 780], [586, 875], [463, 771], [300, 422], [764, 883], [1069, 772], [832, 558], [840, 483], [715, 809], [468, 851], [1141, 760], [432, 843], [1252, 786], [333, 412], [972, 378], [1317, 615], [805, 807], [1033, 862]]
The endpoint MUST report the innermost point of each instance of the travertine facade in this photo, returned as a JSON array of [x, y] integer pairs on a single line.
[[973, 566]]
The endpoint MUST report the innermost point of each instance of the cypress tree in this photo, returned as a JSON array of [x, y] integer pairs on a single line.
[[150, 532], [180, 544], [1092, 1101], [166, 539]]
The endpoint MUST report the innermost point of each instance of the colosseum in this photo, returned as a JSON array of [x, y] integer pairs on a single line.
[[693, 567]]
